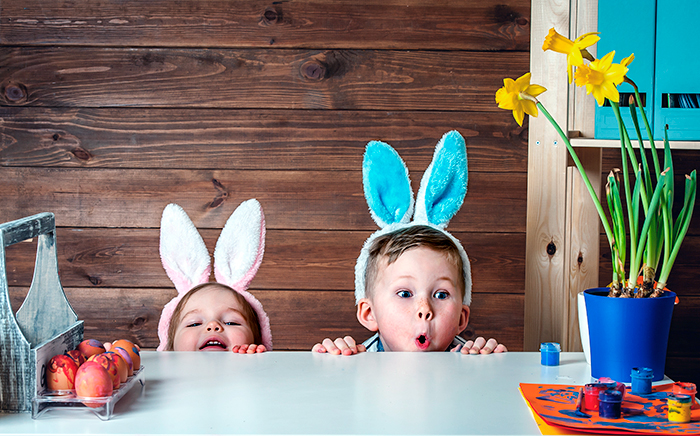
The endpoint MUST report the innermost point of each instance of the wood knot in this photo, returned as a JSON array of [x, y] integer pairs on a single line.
[[95, 280], [506, 14], [80, 153], [272, 15], [221, 196], [15, 93], [313, 70], [551, 248]]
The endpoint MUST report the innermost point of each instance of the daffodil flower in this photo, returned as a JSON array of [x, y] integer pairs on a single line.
[[601, 77], [574, 50], [519, 96]]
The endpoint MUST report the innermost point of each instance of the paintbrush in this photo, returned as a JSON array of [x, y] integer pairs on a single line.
[[579, 404]]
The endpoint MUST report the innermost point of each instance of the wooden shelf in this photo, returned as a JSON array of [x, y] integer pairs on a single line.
[[614, 143]]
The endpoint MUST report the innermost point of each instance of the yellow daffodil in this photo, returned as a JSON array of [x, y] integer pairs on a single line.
[[601, 77], [574, 50], [519, 96]]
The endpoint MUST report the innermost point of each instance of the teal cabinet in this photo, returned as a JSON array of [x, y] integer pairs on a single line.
[[661, 34]]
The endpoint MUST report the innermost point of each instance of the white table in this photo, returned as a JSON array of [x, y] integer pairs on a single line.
[[308, 393]]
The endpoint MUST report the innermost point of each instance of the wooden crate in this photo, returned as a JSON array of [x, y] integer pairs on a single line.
[[45, 324]]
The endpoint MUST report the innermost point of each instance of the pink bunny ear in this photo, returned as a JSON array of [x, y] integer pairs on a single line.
[[238, 255], [184, 257]]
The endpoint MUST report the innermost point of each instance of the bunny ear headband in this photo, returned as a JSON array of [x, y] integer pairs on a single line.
[[390, 197], [237, 257]]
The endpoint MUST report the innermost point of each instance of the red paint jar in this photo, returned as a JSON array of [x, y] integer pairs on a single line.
[[681, 388], [591, 391]]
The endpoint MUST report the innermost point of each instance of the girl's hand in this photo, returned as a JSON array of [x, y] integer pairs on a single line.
[[248, 349], [345, 346]]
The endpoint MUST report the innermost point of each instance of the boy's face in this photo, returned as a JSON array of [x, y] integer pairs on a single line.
[[415, 302], [212, 320]]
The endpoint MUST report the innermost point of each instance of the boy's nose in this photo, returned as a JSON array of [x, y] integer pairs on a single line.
[[214, 326], [425, 312]]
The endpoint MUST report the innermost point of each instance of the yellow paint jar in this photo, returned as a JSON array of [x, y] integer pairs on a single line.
[[679, 408]]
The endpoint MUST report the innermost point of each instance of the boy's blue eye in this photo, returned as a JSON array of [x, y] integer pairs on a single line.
[[404, 294], [441, 295]]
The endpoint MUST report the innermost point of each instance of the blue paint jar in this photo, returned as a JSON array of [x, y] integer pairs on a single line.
[[641, 380], [549, 353], [610, 404]]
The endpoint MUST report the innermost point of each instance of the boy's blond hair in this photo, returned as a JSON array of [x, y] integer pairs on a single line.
[[392, 245], [249, 314]]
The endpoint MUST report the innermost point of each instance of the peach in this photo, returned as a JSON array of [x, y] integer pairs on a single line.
[[92, 380], [132, 349], [60, 373], [109, 365], [77, 356], [127, 358], [90, 347], [122, 366]]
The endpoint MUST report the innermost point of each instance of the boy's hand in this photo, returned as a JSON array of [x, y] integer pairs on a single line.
[[345, 346], [482, 346], [248, 349]]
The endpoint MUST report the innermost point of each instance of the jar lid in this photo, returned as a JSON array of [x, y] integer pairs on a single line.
[[610, 395], [642, 372], [681, 398], [550, 347]]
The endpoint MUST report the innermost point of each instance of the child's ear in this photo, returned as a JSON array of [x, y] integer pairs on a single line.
[[464, 318], [365, 315]]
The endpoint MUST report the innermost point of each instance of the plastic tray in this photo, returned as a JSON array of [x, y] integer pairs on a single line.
[[103, 407]]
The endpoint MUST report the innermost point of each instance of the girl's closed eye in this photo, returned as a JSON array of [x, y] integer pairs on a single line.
[[232, 323], [193, 324]]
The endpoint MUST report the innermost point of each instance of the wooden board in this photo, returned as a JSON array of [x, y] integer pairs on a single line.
[[255, 78], [248, 139], [126, 258], [412, 24]]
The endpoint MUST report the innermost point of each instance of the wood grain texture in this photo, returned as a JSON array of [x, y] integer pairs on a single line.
[[413, 24], [248, 139], [255, 78], [129, 258], [321, 200], [298, 318]]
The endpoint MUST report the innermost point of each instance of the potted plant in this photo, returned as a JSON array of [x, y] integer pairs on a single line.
[[629, 320]]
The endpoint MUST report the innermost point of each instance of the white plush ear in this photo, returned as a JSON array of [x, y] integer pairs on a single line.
[[239, 250], [182, 250], [444, 183], [386, 184]]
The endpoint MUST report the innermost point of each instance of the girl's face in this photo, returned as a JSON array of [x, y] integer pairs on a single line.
[[212, 320]]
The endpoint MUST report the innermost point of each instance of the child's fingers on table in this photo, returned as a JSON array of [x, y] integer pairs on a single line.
[[500, 348], [331, 346], [478, 345], [318, 348], [260, 349], [489, 347]]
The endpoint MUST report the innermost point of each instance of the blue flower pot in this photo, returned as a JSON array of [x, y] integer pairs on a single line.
[[627, 333]]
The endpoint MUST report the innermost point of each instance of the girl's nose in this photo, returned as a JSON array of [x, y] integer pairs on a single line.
[[214, 326], [425, 311]]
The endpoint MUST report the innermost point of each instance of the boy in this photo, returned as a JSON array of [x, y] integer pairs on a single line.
[[412, 278], [414, 297]]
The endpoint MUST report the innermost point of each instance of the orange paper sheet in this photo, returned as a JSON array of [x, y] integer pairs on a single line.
[[641, 414]]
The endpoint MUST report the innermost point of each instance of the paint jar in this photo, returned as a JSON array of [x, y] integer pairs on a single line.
[[679, 408], [641, 380], [687, 389], [610, 404], [612, 384], [590, 395], [549, 353]]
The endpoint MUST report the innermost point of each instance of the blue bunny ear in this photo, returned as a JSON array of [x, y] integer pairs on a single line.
[[386, 185], [444, 183]]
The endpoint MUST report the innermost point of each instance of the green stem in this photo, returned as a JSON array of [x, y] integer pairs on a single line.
[[584, 176]]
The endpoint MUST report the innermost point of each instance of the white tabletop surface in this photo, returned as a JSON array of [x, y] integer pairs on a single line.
[[309, 393]]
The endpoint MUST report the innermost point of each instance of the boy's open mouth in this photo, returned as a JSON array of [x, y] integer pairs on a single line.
[[213, 345], [422, 342]]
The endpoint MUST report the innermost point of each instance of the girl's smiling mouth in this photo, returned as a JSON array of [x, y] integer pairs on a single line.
[[213, 345]]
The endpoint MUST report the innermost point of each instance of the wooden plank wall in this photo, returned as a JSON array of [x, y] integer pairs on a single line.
[[111, 110]]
